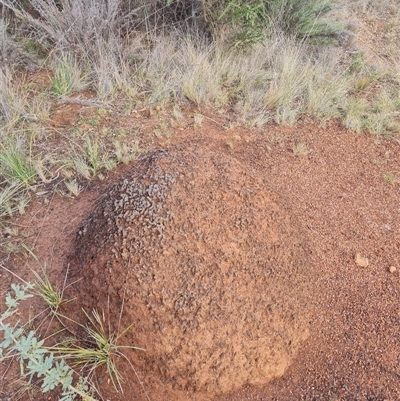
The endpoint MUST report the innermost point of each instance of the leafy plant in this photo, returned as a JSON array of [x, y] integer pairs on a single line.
[[250, 19], [49, 363], [391, 178], [253, 20], [36, 361]]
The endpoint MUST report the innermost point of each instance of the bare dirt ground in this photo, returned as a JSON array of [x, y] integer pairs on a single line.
[[338, 194]]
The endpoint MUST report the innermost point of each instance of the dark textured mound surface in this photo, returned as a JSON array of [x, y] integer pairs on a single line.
[[209, 267]]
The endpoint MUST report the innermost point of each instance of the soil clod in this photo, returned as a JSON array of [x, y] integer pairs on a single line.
[[361, 261]]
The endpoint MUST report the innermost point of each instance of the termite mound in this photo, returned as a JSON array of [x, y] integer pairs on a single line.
[[209, 265]]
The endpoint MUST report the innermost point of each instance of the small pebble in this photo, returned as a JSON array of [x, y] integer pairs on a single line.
[[361, 261], [392, 269]]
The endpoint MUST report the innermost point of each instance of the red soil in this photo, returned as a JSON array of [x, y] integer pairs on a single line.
[[335, 200]]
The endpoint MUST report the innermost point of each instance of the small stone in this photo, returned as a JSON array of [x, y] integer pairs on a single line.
[[392, 269], [361, 261]]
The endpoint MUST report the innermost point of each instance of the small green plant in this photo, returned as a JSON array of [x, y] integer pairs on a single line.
[[382, 118], [357, 64], [15, 165], [94, 154], [91, 158], [103, 349], [73, 187], [253, 20], [94, 121], [35, 359], [13, 198], [250, 19], [390, 178], [45, 289], [82, 167], [35, 48], [67, 77], [305, 19], [356, 113], [49, 363]]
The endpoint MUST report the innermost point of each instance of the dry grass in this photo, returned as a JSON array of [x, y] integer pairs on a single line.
[[12, 53], [276, 80], [19, 105], [300, 148], [279, 80]]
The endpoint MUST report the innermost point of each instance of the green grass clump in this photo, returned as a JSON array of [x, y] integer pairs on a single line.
[[17, 174], [90, 158], [15, 164], [14, 198], [390, 178], [45, 289], [103, 349], [67, 77]]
